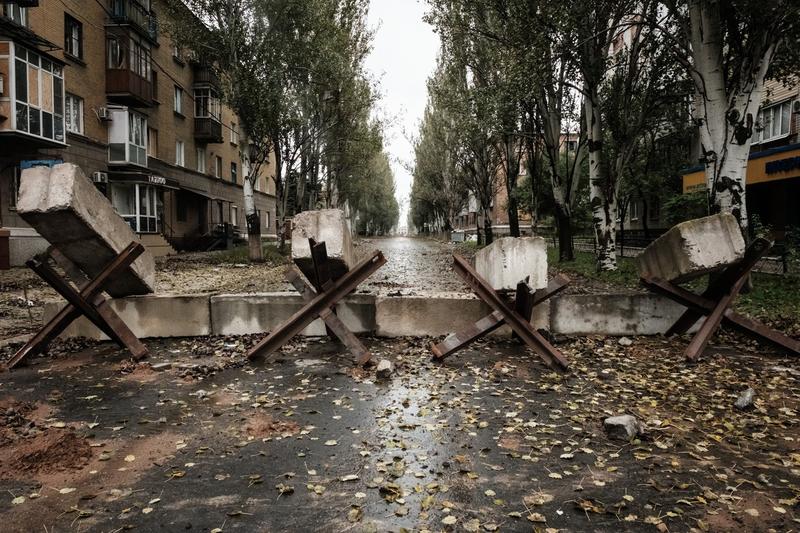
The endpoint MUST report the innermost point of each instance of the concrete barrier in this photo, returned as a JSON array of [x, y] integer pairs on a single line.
[[509, 260], [329, 226], [693, 248], [150, 316], [65, 208], [428, 314], [433, 314], [243, 314], [613, 314]]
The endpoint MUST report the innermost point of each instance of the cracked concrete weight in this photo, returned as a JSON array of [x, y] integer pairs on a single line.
[[509, 260], [71, 214], [330, 226], [693, 248]]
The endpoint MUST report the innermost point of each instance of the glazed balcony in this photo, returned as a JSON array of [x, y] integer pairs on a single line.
[[136, 15], [207, 130], [126, 87]]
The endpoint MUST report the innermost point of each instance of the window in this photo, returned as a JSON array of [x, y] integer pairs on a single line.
[[73, 111], [266, 220], [233, 172], [140, 205], [129, 53], [234, 216], [234, 134], [201, 160], [176, 53], [127, 137], [774, 121], [73, 37], [634, 209], [217, 166], [206, 104], [179, 155], [152, 142], [178, 101], [14, 185], [16, 13], [38, 86]]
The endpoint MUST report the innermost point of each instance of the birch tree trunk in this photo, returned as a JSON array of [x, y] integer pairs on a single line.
[[255, 251], [602, 197], [726, 116]]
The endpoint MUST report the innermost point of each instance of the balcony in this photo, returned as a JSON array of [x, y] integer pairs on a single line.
[[207, 130], [131, 12], [125, 87], [205, 76]]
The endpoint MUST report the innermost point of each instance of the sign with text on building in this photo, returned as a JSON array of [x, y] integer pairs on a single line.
[[766, 166]]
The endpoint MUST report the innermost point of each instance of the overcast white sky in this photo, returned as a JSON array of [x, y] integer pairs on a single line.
[[403, 56]]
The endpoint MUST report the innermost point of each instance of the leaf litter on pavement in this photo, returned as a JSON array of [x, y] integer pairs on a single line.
[[491, 440]]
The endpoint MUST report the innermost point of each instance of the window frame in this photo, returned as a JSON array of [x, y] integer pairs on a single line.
[[218, 167], [201, 156], [234, 172], [234, 214], [234, 134], [69, 97], [70, 25], [180, 153], [177, 100], [775, 111]]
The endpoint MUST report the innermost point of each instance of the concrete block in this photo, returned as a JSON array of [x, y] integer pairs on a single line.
[[613, 314], [149, 316], [330, 226], [509, 260], [427, 314], [65, 208], [243, 314], [693, 248]]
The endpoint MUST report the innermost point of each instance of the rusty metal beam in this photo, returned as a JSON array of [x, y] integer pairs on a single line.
[[551, 356], [323, 300], [333, 322], [722, 283], [84, 302], [703, 306], [456, 341]]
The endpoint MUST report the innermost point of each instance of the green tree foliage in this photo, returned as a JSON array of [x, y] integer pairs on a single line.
[[294, 74]]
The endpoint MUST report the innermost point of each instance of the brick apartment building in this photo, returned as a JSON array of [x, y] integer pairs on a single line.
[[470, 218], [94, 82]]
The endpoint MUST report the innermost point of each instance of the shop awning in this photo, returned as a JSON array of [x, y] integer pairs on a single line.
[[204, 194], [143, 178]]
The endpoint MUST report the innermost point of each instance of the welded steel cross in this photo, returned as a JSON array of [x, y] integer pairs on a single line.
[[518, 317], [87, 300], [320, 301], [715, 305]]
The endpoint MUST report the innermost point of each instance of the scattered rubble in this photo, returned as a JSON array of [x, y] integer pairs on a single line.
[[385, 369], [745, 399], [622, 427]]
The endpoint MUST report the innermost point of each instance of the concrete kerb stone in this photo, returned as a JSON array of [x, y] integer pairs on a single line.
[[693, 248], [65, 208], [151, 316], [325, 225], [243, 314], [432, 314]]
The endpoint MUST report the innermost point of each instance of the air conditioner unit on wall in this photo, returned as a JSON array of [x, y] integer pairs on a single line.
[[100, 177], [104, 114]]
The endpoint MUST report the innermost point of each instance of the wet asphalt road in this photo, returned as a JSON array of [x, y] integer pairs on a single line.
[[413, 265]]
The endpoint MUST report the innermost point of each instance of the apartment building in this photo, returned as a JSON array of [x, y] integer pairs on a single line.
[[470, 218], [94, 82], [773, 171]]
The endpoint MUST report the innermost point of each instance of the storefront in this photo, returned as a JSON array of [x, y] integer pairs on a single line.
[[139, 199], [773, 187]]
